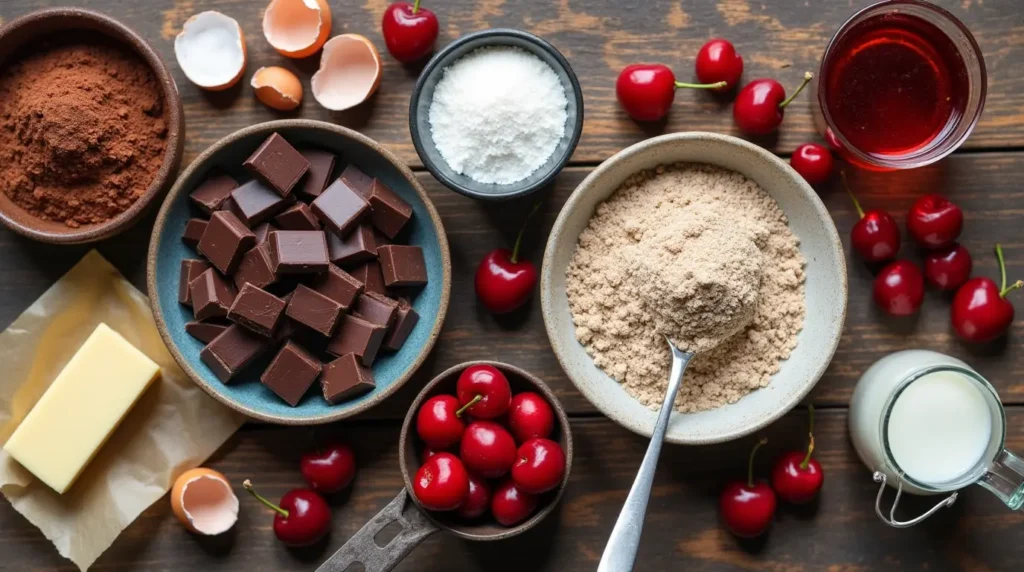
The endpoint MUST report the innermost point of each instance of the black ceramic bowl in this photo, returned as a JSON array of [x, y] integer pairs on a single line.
[[419, 108]]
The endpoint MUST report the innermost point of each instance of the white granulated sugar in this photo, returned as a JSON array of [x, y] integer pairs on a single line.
[[498, 114]]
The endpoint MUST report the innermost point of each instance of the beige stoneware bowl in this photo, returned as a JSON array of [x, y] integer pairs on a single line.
[[826, 288]]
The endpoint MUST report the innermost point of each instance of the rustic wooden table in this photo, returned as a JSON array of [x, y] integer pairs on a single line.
[[599, 37]]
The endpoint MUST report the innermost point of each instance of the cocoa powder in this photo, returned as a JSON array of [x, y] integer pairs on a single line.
[[82, 130]]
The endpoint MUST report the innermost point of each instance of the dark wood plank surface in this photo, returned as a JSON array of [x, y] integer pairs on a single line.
[[599, 37]]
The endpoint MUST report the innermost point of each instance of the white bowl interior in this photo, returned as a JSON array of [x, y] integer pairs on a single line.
[[825, 287]]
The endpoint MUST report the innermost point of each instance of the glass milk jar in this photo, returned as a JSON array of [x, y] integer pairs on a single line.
[[927, 424]]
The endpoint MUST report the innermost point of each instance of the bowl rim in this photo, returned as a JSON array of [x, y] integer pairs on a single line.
[[405, 437], [174, 119], [178, 189], [433, 68], [640, 426]]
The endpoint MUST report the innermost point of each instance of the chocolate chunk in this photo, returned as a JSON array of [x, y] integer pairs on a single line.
[[405, 320], [225, 241], [340, 207], [321, 165], [205, 332], [298, 251], [297, 217], [231, 351], [371, 277], [255, 203], [212, 295], [402, 265], [344, 378], [339, 286], [257, 309], [278, 164], [194, 229], [190, 270], [375, 308], [314, 310], [388, 211], [359, 246], [262, 232], [359, 181], [359, 337], [291, 373], [211, 193], [256, 268]]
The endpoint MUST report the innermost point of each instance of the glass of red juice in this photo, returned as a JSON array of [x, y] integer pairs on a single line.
[[901, 85]]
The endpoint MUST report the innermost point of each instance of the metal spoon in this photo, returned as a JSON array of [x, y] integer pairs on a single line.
[[620, 552]]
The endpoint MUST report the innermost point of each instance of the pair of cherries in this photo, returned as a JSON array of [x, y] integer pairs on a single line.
[[748, 507], [487, 449]]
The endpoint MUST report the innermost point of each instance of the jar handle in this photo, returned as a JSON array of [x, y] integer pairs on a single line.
[[1005, 479], [891, 520]]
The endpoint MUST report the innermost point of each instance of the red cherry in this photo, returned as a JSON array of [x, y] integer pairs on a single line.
[[429, 452], [876, 236], [747, 508], [899, 288], [487, 449], [761, 104], [503, 282], [441, 483], [477, 500], [510, 506], [329, 470], [530, 416], [438, 423], [717, 61], [981, 312], [813, 162], [302, 518], [934, 221], [948, 268], [483, 392], [797, 477], [540, 467], [409, 31], [646, 91]]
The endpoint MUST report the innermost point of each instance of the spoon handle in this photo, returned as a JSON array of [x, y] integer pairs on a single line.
[[620, 552]]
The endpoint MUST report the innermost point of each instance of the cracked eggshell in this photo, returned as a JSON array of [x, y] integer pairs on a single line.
[[297, 28], [349, 73], [277, 88], [211, 50], [203, 501]]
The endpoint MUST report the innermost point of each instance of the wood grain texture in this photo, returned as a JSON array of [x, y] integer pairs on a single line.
[[599, 37]]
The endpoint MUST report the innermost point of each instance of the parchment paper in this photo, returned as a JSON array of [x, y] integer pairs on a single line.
[[175, 426]]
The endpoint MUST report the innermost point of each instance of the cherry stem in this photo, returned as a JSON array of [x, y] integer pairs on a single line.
[[416, 6], [716, 85], [522, 230], [808, 76], [1003, 288], [750, 463], [471, 403], [810, 433], [247, 485], [856, 203]]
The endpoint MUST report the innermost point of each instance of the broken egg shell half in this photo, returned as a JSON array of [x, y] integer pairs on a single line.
[[211, 50], [203, 501], [277, 88], [349, 72], [297, 28]]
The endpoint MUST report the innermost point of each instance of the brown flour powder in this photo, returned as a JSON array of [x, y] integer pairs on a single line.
[[703, 256]]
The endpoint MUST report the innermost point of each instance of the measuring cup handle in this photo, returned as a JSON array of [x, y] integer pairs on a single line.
[[1005, 479], [362, 547]]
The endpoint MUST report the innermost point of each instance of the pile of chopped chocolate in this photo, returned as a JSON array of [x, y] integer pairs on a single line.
[[295, 265]]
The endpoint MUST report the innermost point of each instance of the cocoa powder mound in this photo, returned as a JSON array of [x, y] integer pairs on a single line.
[[82, 130]]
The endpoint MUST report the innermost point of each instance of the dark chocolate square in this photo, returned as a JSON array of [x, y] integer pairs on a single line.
[[297, 217], [256, 268], [278, 164], [388, 211], [212, 295], [211, 193], [359, 246], [321, 165], [262, 232], [345, 378], [298, 251], [369, 273], [405, 320], [194, 229], [402, 265], [257, 309], [231, 351], [190, 270], [255, 203], [375, 308], [314, 310], [359, 337], [340, 208], [205, 332], [225, 241], [339, 286], [291, 373], [359, 181]]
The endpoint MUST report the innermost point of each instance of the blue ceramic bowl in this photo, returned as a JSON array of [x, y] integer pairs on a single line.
[[166, 251]]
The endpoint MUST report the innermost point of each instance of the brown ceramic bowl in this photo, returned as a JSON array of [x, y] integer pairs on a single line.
[[16, 35], [410, 448]]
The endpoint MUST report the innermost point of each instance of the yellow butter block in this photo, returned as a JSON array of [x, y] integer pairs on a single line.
[[81, 409]]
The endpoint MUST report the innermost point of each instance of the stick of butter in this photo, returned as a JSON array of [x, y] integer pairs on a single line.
[[81, 409]]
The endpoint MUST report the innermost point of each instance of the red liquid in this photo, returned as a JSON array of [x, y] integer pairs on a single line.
[[895, 84]]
